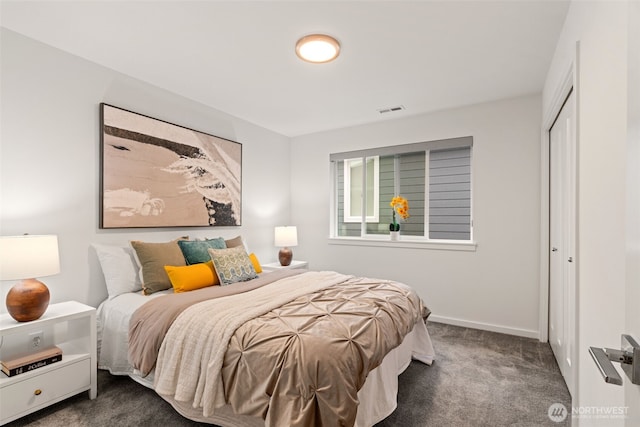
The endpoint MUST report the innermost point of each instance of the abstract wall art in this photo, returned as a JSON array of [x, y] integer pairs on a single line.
[[158, 174]]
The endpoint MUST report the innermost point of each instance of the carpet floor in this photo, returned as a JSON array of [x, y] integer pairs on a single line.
[[479, 378]]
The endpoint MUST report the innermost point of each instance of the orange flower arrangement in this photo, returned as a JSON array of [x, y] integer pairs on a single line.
[[401, 206]]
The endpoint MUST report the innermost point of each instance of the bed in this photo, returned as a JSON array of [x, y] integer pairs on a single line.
[[290, 347]]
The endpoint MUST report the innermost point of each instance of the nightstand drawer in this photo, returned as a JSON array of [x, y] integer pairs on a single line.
[[54, 384]]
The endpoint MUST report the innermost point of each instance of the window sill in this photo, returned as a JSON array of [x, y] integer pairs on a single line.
[[443, 245]]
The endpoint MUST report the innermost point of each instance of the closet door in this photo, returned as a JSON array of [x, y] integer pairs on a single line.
[[562, 222]]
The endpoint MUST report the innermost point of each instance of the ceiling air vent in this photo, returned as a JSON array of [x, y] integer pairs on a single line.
[[391, 109]]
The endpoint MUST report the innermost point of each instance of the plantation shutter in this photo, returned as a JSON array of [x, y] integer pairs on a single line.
[[450, 194]]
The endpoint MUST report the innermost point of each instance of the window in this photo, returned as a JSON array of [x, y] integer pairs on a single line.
[[435, 178], [355, 184]]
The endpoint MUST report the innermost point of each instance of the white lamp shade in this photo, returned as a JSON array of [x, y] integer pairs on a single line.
[[28, 256], [286, 236]]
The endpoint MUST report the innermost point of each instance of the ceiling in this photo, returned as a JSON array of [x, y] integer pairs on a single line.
[[239, 56]]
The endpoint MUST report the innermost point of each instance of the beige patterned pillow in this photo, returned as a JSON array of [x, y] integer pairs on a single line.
[[152, 258], [232, 265]]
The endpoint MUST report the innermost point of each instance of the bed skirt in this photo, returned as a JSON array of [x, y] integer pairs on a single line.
[[378, 396]]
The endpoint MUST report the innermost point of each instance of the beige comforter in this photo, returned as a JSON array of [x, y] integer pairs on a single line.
[[150, 323], [294, 352]]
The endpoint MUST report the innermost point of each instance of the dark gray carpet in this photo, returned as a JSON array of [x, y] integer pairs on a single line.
[[478, 379]]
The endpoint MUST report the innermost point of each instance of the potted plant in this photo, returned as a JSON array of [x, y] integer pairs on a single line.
[[399, 205]]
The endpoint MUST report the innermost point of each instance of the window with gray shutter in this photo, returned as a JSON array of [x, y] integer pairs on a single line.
[[450, 194], [434, 177]]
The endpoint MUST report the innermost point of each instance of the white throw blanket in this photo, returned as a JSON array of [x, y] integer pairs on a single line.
[[190, 360]]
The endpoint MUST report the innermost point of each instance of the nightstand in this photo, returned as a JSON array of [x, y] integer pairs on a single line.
[[272, 266], [71, 326]]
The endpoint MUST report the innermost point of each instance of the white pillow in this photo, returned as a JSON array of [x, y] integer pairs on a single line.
[[119, 268]]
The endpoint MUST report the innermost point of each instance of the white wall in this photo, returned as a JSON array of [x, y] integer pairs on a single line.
[[49, 162], [600, 28], [495, 287]]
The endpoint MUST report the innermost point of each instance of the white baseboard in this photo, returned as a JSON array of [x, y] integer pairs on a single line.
[[485, 326]]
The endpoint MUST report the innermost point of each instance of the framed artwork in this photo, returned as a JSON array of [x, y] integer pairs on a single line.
[[158, 174]]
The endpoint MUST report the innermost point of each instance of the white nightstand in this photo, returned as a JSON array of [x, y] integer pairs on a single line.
[[68, 325], [302, 265]]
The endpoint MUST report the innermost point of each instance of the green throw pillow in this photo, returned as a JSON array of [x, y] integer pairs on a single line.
[[196, 251]]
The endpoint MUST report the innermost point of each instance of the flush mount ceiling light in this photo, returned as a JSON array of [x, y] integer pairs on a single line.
[[317, 48]]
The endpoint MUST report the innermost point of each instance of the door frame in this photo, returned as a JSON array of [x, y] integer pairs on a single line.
[[559, 96]]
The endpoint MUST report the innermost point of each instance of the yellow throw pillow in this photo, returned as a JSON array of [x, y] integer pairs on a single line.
[[192, 277], [255, 262]]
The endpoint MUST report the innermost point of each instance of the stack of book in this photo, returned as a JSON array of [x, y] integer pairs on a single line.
[[33, 361]]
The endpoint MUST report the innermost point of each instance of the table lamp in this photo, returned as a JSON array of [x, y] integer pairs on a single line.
[[24, 258], [285, 237]]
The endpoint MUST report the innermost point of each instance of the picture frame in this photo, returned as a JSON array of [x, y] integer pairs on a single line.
[[158, 174]]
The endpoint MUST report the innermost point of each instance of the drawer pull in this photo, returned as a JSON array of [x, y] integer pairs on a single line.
[[38, 392]]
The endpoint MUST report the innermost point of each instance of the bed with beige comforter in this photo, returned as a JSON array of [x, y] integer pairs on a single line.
[[290, 347]]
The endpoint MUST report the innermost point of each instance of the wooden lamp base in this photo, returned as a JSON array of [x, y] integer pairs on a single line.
[[285, 256], [27, 300]]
